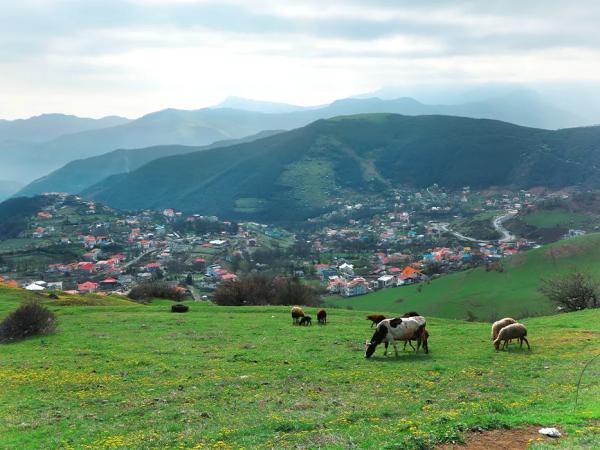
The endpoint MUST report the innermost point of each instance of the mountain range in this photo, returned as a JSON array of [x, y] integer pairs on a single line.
[[80, 174], [46, 127], [296, 174], [27, 161]]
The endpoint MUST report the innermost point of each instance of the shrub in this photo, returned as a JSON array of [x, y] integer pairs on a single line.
[[257, 290], [30, 319], [573, 292], [155, 289]]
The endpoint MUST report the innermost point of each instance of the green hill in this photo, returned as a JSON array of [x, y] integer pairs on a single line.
[[295, 174], [83, 173], [224, 377], [512, 292], [37, 146]]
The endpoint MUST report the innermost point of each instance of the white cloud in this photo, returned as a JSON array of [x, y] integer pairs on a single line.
[[131, 57]]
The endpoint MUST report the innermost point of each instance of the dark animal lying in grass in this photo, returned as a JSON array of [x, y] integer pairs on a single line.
[[322, 316], [306, 320], [297, 313], [179, 308], [375, 318], [399, 329]]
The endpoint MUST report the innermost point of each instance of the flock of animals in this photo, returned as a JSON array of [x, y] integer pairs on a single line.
[[411, 327]]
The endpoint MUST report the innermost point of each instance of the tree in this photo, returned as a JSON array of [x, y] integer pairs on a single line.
[[259, 290], [573, 292]]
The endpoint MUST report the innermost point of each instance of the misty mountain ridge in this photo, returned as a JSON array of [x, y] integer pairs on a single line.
[[80, 174], [294, 175], [27, 161], [46, 127]]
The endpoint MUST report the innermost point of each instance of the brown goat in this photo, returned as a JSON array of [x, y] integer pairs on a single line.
[[322, 316], [375, 318]]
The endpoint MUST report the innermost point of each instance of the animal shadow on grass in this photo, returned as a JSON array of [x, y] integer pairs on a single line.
[[402, 357]]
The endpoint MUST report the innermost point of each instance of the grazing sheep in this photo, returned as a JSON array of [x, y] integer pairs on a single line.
[[306, 320], [297, 313], [375, 319], [498, 325], [322, 316], [512, 331]]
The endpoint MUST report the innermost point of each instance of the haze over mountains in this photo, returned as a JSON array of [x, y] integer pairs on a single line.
[[80, 174], [50, 126], [294, 175], [27, 161]]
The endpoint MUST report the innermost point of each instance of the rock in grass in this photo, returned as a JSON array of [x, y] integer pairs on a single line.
[[180, 308], [552, 432]]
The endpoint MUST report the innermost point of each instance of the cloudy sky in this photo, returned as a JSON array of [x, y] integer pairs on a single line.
[[130, 57]]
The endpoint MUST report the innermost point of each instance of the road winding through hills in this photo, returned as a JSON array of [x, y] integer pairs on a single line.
[[507, 236]]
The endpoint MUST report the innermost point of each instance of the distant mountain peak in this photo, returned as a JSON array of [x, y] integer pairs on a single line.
[[258, 105]]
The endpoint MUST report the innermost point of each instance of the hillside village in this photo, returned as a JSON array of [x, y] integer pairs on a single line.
[[364, 244]]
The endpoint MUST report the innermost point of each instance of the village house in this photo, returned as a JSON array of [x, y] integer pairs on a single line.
[[87, 288], [347, 270], [109, 284], [358, 286], [39, 232], [325, 271], [336, 285], [386, 281], [44, 215], [152, 267]]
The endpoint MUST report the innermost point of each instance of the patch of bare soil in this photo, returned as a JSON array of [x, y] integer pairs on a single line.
[[565, 251], [516, 439]]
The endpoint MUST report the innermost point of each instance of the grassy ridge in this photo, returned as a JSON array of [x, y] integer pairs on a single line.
[[513, 292], [141, 377], [294, 175]]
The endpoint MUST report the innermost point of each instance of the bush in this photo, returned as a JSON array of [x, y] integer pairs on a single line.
[[259, 290], [155, 289], [30, 319], [179, 308], [573, 292]]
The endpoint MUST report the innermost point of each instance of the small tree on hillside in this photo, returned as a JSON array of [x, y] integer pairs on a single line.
[[573, 292]]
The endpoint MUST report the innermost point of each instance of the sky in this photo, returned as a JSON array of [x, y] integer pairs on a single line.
[[130, 57]]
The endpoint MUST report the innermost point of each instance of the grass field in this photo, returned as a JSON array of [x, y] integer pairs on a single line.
[[513, 292], [555, 218], [131, 376]]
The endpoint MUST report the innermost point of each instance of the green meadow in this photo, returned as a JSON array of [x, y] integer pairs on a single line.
[[555, 218], [121, 375], [514, 291]]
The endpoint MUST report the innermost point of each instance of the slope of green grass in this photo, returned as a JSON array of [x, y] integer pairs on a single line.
[[301, 170], [555, 218], [219, 377], [513, 292]]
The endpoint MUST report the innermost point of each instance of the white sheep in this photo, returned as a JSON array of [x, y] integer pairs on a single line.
[[498, 325], [512, 331]]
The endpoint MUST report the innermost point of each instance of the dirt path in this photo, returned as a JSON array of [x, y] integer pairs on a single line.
[[517, 439]]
